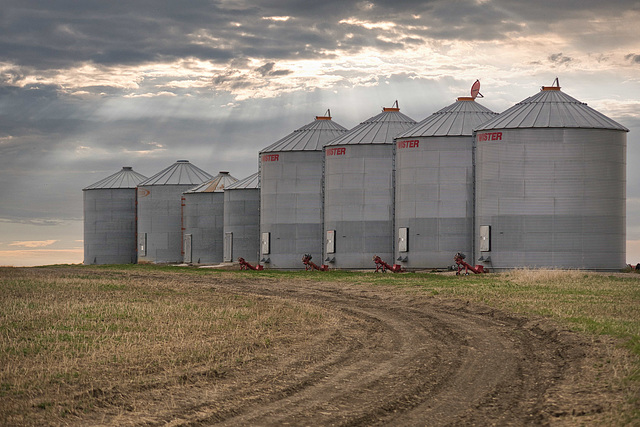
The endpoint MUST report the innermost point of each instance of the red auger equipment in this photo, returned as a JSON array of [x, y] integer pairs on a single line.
[[310, 265], [459, 259], [244, 265], [383, 266]]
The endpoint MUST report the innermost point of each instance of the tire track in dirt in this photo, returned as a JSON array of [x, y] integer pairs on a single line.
[[390, 358], [395, 360]]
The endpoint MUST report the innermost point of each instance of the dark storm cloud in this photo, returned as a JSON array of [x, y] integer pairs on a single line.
[[55, 34], [559, 58], [633, 58]]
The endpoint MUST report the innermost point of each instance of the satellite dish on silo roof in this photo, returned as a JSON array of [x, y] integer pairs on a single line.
[[475, 90]]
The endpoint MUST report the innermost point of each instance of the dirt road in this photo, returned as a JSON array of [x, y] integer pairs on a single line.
[[390, 358]]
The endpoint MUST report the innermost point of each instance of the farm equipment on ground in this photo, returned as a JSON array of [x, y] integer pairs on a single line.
[[383, 266], [244, 265], [459, 259], [310, 265]]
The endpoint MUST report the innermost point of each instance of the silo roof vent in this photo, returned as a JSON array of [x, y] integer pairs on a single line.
[[125, 178], [394, 107], [327, 116]]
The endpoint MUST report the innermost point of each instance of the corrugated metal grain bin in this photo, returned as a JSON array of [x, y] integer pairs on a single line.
[[242, 220], [110, 218], [550, 186], [291, 194], [160, 211], [203, 220], [359, 191], [434, 186]]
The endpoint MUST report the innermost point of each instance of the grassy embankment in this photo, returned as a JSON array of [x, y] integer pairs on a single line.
[[74, 340]]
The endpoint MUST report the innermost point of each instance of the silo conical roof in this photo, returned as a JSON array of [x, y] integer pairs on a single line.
[[457, 119], [180, 173], [310, 137], [125, 178], [379, 129], [551, 108], [217, 184], [247, 183]]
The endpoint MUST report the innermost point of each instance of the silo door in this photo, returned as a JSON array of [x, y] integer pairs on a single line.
[[187, 248], [142, 244], [265, 243], [403, 239], [228, 247], [485, 238], [331, 241]]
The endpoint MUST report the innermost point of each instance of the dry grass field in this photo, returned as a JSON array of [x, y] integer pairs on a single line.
[[120, 344]]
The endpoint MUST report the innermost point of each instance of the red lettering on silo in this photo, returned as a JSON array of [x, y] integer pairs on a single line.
[[336, 151], [414, 143]]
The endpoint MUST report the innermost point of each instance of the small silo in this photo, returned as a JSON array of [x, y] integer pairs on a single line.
[[434, 186], [160, 211], [242, 220], [291, 194], [203, 220], [358, 191], [550, 186], [110, 218]]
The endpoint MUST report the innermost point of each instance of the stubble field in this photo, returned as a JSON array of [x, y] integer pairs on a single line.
[[132, 345]]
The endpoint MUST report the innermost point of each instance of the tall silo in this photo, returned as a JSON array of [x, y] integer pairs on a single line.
[[358, 191], [434, 186], [242, 220], [550, 186], [291, 194], [203, 220], [110, 218], [160, 211]]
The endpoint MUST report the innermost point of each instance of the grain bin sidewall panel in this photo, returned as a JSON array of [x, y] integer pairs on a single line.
[[109, 226], [359, 204], [160, 216], [242, 218], [434, 199], [555, 198], [291, 207], [204, 220]]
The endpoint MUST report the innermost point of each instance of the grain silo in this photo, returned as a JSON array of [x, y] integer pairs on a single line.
[[110, 218], [203, 220], [434, 186], [242, 220], [358, 191], [291, 194], [160, 211], [550, 186]]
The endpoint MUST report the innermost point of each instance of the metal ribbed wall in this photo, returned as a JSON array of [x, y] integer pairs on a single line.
[[160, 212], [551, 187], [291, 194], [110, 219], [434, 186], [242, 220], [203, 220], [359, 191]]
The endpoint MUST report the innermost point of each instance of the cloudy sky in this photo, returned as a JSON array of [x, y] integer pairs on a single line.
[[87, 87]]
